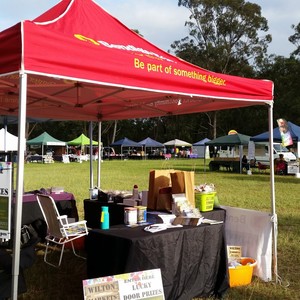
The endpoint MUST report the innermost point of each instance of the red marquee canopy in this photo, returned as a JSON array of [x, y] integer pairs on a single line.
[[77, 62], [83, 64]]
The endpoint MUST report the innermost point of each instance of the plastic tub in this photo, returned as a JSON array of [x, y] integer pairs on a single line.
[[242, 275]]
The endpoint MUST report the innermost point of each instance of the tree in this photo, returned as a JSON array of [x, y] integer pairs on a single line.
[[295, 39], [285, 73], [223, 37]]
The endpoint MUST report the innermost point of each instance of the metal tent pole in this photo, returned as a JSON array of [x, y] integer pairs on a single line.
[[91, 155], [272, 193], [19, 186], [99, 154]]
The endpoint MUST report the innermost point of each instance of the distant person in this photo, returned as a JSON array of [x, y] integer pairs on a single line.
[[188, 153], [252, 163], [245, 163], [280, 165]]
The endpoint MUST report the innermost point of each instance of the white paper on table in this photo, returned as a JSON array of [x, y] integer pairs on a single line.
[[160, 227]]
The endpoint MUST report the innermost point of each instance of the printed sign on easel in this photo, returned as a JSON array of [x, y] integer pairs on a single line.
[[137, 285], [5, 199]]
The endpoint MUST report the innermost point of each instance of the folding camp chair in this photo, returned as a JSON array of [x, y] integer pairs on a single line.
[[262, 167], [60, 231]]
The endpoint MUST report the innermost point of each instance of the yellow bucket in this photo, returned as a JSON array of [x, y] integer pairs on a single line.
[[205, 201], [242, 275]]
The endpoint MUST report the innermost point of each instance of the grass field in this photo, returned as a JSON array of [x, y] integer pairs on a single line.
[[238, 190]]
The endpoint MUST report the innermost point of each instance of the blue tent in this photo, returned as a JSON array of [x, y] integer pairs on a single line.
[[148, 142], [125, 142], [200, 150], [264, 137], [202, 142]]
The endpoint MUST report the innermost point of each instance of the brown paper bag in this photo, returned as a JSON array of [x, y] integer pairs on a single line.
[[183, 183], [178, 182], [164, 199], [157, 180]]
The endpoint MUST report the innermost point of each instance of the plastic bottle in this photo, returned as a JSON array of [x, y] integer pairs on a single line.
[[104, 218], [135, 192]]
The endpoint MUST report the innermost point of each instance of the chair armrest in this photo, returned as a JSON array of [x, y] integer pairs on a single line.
[[75, 228], [63, 219], [83, 222]]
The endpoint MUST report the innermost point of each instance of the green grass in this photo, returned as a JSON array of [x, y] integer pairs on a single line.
[[238, 190]]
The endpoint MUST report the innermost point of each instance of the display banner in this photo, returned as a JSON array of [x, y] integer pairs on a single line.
[[286, 137], [137, 285], [252, 230], [5, 199]]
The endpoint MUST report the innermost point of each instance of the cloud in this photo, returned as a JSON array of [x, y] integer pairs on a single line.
[[281, 15], [160, 22]]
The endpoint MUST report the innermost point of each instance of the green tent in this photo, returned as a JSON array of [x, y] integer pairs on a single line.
[[230, 140], [45, 139], [82, 140]]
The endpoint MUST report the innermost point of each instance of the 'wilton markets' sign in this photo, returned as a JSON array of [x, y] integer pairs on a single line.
[[5, 199]]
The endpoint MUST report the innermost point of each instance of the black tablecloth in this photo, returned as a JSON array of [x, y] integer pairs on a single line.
[[32, 214], [192, 260], [92, 213], [65, 202]]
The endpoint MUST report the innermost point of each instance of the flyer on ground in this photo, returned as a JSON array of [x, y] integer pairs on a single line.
[[137, 285]]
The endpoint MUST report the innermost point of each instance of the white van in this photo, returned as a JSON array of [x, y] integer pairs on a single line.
[[279, 149], [262, 153]]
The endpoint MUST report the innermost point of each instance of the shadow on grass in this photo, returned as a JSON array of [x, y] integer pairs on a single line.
[[48, 283]]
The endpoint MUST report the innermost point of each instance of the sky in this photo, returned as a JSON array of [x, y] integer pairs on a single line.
[[162, 22]]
